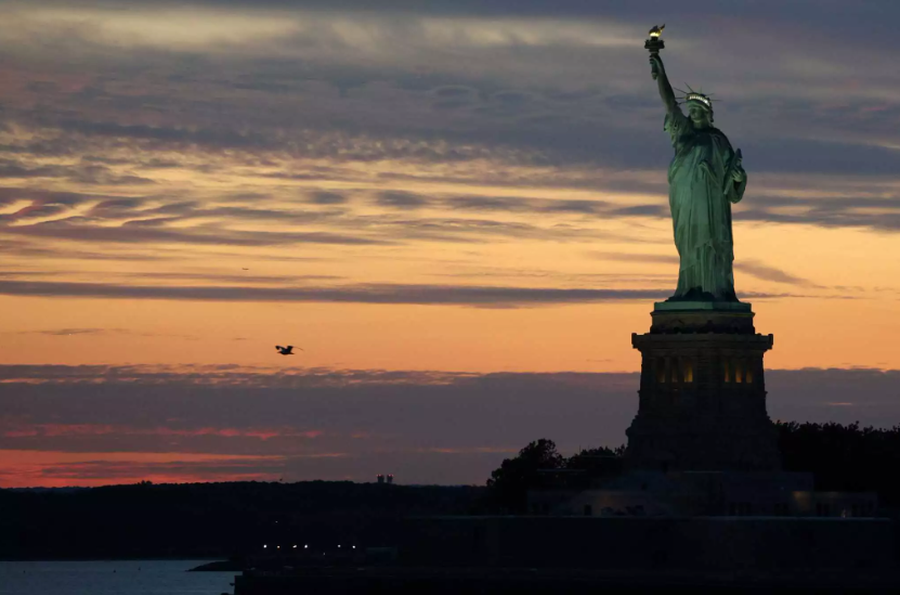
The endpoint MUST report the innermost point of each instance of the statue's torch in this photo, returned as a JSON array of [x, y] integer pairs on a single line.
[[654, 44]]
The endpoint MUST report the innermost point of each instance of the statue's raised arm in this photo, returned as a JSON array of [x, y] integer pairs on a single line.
[[658, 72]]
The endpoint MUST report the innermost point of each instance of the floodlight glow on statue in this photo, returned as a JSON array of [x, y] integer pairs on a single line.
[[705, 178]]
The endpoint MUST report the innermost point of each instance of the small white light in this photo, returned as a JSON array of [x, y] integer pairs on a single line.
[[295, 547], [339, 545], [279, 547], [265, 546], [354, 547], [305, 547]]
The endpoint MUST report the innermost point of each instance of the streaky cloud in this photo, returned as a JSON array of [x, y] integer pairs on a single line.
[[459, 295], [79, 228], [770, 273], [400, 200]]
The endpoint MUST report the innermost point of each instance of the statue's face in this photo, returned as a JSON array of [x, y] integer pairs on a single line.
[[699, 116]]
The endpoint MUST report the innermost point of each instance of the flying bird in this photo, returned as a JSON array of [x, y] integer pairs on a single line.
[[289, 350]]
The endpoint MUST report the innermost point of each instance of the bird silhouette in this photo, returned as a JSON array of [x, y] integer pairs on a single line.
[[289, 350]]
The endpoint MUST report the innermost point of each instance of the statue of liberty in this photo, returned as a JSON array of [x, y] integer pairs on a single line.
[[705, 178]]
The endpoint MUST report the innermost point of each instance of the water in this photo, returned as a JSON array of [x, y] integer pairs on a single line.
[[112, 577]]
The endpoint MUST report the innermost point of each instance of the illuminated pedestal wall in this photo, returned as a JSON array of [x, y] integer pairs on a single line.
[[702, 400]]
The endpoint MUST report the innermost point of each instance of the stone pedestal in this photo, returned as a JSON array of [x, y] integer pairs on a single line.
[[702, 394]]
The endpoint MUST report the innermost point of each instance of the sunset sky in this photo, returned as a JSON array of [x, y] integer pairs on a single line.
[[456, 208]]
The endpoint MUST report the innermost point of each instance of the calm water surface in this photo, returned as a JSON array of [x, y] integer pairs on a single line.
[[128, 577]]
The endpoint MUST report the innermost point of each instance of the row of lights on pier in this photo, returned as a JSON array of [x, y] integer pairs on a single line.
[[305, 546]]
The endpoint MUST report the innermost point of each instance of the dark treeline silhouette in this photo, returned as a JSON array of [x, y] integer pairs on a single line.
[[212, 519], [842, 459], [509, 484]]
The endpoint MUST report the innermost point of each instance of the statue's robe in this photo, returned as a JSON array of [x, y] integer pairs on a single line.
[[700, 200]]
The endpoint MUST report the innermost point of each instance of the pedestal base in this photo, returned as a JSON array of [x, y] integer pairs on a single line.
[[702, 395]]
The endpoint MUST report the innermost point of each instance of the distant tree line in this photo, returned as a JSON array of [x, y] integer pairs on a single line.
[[842, 458], [509, 484], [212, 519]]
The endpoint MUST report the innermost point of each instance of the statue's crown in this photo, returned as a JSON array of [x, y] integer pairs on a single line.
[[693, 96]]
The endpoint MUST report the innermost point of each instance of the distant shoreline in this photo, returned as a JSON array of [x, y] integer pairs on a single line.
[[123, 559]]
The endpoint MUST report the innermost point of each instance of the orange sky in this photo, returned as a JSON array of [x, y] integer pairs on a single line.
[[815, 323]]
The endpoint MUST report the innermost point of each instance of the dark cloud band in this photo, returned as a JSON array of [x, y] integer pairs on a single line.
[[477, 296]]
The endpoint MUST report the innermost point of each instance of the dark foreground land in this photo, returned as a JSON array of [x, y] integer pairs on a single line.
[[532, 581], [534, 554]]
